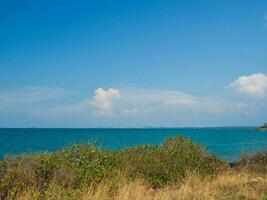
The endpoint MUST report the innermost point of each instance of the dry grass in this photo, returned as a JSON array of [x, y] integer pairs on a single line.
[[229, 185]]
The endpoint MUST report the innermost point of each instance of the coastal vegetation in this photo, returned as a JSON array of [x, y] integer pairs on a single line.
[[262, 128], [176, 169]]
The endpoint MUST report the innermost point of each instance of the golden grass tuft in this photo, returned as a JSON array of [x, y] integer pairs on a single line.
[[229, 185]]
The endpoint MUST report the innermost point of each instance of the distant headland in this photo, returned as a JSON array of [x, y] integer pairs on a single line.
[[262, 128]]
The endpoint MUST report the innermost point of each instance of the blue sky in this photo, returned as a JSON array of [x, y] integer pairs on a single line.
[[133, 63]]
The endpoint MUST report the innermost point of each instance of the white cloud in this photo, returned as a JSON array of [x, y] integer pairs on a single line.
[[140, 101], [142, 104], [103, 99], [123, 107], [254, 85], [28, 95], [76, 108]]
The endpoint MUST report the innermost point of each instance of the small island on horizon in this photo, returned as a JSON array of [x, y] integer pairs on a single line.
[[262, 128]]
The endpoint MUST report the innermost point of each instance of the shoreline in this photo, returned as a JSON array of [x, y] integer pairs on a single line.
[[261, 129]]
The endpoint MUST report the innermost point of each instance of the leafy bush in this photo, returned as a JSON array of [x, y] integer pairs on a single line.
[[168, 163], [89, 163], [85, 164]]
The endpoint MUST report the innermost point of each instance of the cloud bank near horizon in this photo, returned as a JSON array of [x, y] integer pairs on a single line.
[[138, 107], [141, 102]]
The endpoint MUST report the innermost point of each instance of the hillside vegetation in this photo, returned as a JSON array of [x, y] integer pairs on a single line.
[[177, 169]]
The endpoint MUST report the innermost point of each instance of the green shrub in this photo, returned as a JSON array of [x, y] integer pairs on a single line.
[[89, 163], [19, 173], [79, 165], [168, 163]]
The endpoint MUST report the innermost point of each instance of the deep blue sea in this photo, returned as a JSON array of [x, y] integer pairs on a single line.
[[227, 143]]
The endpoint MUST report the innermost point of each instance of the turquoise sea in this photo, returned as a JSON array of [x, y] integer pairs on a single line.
[[228, 143]]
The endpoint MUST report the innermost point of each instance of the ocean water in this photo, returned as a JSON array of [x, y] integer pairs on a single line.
[[227, 143]]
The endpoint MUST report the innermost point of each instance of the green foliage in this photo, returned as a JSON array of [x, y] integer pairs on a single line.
[[84, 164], [168, 163], [90, 164]]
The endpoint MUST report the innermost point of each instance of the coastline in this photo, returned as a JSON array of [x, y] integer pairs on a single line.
[[261, 129]]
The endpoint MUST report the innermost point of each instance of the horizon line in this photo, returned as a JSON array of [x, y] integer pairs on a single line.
[[145, 127]]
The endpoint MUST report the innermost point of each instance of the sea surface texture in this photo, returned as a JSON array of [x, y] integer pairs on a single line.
[[227, 143]]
